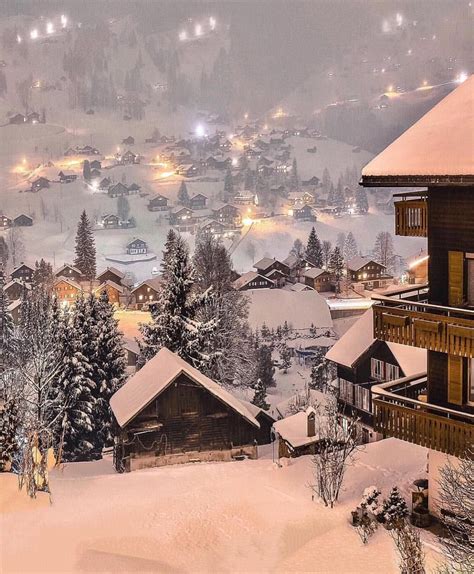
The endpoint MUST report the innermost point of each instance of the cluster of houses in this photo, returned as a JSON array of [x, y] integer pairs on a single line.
[[31, 118], [21, 220]]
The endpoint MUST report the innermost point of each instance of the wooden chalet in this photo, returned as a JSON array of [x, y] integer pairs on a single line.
[[39, 184], [296, 434], [95, 164], [128, 140], [266, 265], [23, 273], [115, 292], [213, 227], [128, 158], [112, 274], [70, 272], [133, 189], [117, 190], [182, 218], [253, 280], [228, 215], [105, 184], [146, 293], [435, 410], [198, 201], [266, 421], [17, 119], [137, 247], [67, 177], [5, 222], [318, 279], [16, 289], [110, 221], [368, 272], [304, 213], [170, 413], [67, 291], [297, 266], [158, 203]]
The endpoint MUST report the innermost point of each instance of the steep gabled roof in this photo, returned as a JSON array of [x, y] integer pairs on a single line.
[[113, 270], [264, 263], [247, 277], [67, 266], [358, 262], [438, 149], [156, 376], [314, 272], [111, 284]]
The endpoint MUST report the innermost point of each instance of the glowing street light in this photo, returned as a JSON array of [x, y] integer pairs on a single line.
[[63, 20], [49, 28], [18, 38], [198, 30], [200, 131], [399, 19], [212, 23], [390, 89], [461, 77], [183, 36], [246, 116], [34, 34]]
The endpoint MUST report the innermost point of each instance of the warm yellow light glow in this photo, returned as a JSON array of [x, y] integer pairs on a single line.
[[290, 212], [418, 261], [166, 174], [247, 221]]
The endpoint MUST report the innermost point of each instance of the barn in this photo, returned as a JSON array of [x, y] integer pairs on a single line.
[[170, 413]]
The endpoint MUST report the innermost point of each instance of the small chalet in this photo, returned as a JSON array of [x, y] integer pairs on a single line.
[[244, 198], [15, 289], [95, 164], [110, 221], [95, 174], [277, 277], [137, 247], [187, 170], [363, 361], [313, 182], [117, 190], [39, 184], [265, 265], [23, 273], [369, 272], [158, 203], [221, 164], [253, 280], [133, 189], [266, 421], [128, 158], [67, 291], [114, 291], [111, 274], [5, 222], [198, 201], [146, 293], [105, 184], [66, 177], [296, 435], [33, 118], [227, 214], [17, 119], [128, 141], [70, 272], [304, 213], [318, 279], [213, 227], [169, 413], [298, 266], [132, 352], [299, 198], [182, 217]]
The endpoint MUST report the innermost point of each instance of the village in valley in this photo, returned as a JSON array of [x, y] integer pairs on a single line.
[[202, 291]]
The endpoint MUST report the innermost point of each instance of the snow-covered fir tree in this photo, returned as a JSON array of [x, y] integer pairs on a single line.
[[265, 368], [336, 266], [9, 428], [43, 274], [285, 357], [174, 324], [294, 180], [260, 396], [229, 184], [362, 202], [350, 247], [7, 335], [394, 509], [183, 195], [326, 248], [85, 259], [314, 251]]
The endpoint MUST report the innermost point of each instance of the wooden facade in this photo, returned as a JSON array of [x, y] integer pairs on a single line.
[[411, 217]]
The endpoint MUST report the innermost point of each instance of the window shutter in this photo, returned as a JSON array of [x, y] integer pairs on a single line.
[[456, 278], [455, 369]]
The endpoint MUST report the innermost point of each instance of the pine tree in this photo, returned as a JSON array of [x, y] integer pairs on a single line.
[[394, 509], [3, 254], [326, 253], [86, 170], [183, 195], [7, 336], [9, 426], [229, 184], [336, 267], [43, 274], [123, 208], [314, 252], [331, 199], [294, 174], [339, 197], [285, 357], [85, 248], [362, 202], [260, 396], [350, 247], [326, 180], [265, 368]]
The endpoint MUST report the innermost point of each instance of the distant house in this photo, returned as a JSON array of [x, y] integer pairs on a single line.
[[67, 291], [128, 158], [363, 361], [228, 215], [296, 434], [182, 217], [252, 280], [23, 220], [70, 272], [182, 414], [128, 141], [146, 293], [133, 189], [117, 190], [198, 201], [17, 119], [95, 164], [111, 274], [95, 174], [158, 203], [313, 182], [15, 289], [23, 273], [105, 184], [110, 221], [86, 150], [214, 227], [114, 291], [318, 279], [187, 170], [220, 164], [132, 352], [33, 118], [66, 177], [137, 247], [266, 265], [39, 184], [304, 213], [5, 222], [300, 198], [369, 272], [297, 266], [244, 198]]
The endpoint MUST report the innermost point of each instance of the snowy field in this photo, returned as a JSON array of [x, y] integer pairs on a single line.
[[204, 518]]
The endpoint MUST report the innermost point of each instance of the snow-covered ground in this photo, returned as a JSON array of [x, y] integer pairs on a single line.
[[203, 518]]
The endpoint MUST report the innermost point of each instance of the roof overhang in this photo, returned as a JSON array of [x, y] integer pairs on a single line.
[[417, 180]]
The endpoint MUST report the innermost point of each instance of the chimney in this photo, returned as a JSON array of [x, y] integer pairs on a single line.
[[311, 422]]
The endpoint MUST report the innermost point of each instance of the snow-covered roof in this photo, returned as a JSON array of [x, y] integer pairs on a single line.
[[358, 262], [297, 287], [111, 284], [314, 272], [264, 263], [16, 282], [67, 266], [437, 147], [301, 309], [113, 270], [247, 277], [155, 283], [360, 337], [69, 281], [294, 429], [253, 409], [152, 379], [131, 345]]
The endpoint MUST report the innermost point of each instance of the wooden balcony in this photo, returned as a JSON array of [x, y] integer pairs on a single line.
[[411, 216], [432, 327], [425, 424]]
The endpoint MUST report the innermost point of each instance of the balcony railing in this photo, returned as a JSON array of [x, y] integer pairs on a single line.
[[411, 216], [432, 327], [398, 414]]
